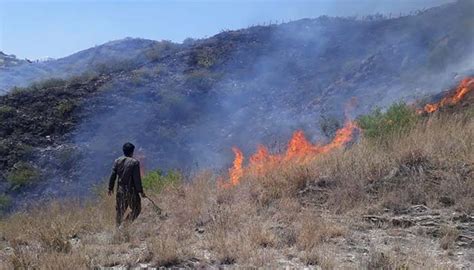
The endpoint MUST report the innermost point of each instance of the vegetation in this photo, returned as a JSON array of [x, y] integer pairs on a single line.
[[115, 65], [206, 58], [382, 126], [22, 175], [157, 180], [305, 211], [159, 49], [48, 83]]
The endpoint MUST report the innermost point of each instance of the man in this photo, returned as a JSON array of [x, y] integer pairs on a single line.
[[129, 184]]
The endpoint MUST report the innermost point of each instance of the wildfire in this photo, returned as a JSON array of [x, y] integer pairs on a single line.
[[299, 150], [466, 86]]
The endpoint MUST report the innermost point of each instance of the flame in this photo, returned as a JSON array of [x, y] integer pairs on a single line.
[[466, 86], [299, 150], [300, 147], [236, 171]]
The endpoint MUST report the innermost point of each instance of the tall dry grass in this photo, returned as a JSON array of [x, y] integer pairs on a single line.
[[431, 164]]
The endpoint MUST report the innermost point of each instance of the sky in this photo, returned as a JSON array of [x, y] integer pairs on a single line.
[[40, 29]]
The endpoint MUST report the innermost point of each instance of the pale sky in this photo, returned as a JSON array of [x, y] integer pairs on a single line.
[[38, 29]]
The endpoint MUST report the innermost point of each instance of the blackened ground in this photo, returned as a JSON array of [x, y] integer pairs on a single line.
[[37, 118]]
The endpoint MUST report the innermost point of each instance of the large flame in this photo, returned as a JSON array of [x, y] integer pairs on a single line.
[[299, 150], [466, 86]]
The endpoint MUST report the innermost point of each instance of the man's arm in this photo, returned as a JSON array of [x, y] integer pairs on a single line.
[[137, 179], [112, 178]]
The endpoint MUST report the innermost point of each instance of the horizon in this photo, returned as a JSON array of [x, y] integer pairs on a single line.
[[57, 30]]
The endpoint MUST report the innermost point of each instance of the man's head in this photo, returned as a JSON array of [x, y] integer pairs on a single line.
[[128, 149]]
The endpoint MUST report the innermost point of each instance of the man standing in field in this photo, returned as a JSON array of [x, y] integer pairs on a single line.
[[129, 184]]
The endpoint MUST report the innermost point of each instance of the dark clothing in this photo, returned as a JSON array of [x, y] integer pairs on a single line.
[[129, 184]]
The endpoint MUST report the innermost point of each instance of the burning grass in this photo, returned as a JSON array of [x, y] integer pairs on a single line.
[[298, 213]]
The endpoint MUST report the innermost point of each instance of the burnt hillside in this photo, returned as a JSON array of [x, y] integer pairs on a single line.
[[186, 104]]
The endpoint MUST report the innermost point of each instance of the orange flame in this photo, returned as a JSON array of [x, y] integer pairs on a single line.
[[299, 146], [466, 86], [299, 149], [236, 171]]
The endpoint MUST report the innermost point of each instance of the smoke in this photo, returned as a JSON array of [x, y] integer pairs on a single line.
[[274, 80]]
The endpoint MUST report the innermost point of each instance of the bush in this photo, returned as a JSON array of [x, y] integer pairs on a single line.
[[378, 125], [22, 175], [156, 180]]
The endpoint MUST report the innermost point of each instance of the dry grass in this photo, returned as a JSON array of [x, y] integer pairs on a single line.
[[319, 257], [449, 235], [314, 230], [289, 214], [432, 161]]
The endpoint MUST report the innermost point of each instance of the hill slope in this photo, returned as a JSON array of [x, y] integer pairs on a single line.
[[398, 200], [23, 73], [185, 105]]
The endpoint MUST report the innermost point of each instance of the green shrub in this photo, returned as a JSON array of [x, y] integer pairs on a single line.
[[379, 125], [22, 175], [156, 180]]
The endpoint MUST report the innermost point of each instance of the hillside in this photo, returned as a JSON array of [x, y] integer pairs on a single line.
[[186, 105], [8, 61], [399, 198], [23, 73]]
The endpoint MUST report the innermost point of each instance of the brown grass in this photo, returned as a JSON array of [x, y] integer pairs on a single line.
[[432, 161], [449, 235], [290, 215]]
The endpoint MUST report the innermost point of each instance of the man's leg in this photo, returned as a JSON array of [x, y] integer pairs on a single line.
[[121, 206], [135, 205]]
